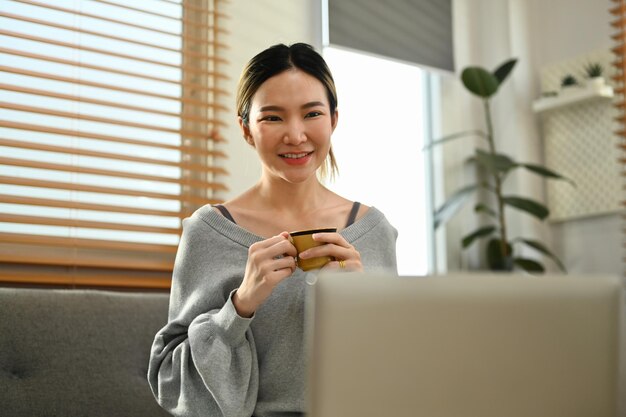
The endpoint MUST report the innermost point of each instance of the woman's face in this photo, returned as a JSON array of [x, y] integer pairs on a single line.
[[290, 125]]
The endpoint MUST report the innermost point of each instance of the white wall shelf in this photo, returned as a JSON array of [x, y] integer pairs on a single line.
[[573, 95], [577, 128]]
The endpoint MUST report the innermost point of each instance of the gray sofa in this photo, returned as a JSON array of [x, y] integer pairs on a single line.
[[66, 353], [84, 353]]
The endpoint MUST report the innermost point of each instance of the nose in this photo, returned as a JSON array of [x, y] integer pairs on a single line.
[[295, 133]]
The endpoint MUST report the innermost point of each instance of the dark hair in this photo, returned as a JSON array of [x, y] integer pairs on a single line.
[[275, 60]]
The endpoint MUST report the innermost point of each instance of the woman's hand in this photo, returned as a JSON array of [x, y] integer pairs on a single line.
[[347, 258], [269, 262]]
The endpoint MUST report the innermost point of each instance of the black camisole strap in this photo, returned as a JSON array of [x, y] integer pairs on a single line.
[[353, 213], [351, 216], [225, 212]]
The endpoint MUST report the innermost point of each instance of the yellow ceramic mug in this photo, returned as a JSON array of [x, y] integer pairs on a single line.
[[303, 240]]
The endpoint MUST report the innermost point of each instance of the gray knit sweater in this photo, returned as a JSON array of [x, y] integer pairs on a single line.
[[208, 361]]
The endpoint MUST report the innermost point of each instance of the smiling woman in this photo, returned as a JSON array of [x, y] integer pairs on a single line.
[[234, 343]]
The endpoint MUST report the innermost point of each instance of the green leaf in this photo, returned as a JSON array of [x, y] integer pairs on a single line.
[[482, 232], [504, 70], [495, 259], [528, 265], [494, 162], [481, 208], [530, 206], [479, 81], [452, 205], [447, 138], [541, 248], [541, 170]]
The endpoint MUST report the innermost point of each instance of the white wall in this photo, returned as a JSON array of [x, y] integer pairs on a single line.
[[486, 33], [254, 26], [537, 32], [592, 244]]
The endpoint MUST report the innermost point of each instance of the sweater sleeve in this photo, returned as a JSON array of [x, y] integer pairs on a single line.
[[203, 362]]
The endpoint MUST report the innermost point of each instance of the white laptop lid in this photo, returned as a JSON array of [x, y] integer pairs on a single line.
[[463, 345]]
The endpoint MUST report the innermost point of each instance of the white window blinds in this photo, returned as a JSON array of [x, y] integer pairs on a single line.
[[109, 136]]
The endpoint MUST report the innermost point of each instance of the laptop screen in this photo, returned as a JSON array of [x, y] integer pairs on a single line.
[[466, 345]]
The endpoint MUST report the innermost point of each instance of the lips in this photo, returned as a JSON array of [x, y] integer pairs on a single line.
[[296, 158], [295, 155]]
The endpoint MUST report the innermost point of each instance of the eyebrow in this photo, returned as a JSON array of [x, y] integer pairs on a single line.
[[304, 106]]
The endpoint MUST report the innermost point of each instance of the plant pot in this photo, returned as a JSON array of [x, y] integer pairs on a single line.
[[596, 82], [502, 265], [495, 260]]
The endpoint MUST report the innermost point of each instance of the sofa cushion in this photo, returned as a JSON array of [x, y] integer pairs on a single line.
[[77, 352]]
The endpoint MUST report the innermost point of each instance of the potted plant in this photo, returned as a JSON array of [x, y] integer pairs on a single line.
[[501, 250], [568, 81], [594, 74]]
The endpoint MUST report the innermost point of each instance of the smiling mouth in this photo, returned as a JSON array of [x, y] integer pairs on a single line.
[[295, 155]]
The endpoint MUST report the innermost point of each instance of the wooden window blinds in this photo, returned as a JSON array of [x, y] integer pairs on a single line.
[[109, 136], [618, 22]]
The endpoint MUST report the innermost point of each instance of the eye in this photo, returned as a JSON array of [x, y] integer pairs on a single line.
[[270, 119], [313, 114]]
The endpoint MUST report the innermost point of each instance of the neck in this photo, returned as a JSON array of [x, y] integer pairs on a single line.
[[282, 196]]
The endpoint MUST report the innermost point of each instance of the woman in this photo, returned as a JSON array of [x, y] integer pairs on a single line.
[[233, 344]]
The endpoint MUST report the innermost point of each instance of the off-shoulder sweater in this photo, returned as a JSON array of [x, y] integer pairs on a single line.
[[207, 360]]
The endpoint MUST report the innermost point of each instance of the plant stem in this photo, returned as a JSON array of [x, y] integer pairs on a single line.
[[498, 182]]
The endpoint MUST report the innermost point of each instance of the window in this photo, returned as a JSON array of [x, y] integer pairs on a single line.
[[109, 136], [378, 143]]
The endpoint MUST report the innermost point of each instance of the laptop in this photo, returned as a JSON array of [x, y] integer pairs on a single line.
[[464, 345]]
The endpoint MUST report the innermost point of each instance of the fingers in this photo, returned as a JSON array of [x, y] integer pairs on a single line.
[[344, 265], [269, 262], [285, 263], [275, 246], [334, 237], [262, 269], [346, 256], [336, 246]]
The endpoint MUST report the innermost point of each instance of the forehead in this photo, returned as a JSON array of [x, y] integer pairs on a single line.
[[291, 87]]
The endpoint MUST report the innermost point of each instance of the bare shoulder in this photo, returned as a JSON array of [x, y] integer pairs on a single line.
[[235, 206], [345, 207]]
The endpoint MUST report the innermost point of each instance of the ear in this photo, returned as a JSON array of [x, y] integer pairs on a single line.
[[245, 130], [334, 119]]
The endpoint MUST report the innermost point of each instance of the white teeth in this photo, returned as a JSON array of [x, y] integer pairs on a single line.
[[295, 155]]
